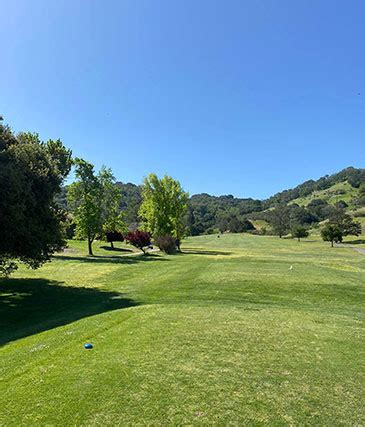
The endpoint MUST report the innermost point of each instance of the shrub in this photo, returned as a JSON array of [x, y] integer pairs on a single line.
[[166, 244], [139, 239], [114, 236]]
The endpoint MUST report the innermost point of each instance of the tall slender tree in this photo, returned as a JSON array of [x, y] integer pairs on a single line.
[[113, 218], [95, 200], [279, 219], [164, 206]]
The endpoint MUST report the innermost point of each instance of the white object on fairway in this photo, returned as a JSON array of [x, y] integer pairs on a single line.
[[291, 268]]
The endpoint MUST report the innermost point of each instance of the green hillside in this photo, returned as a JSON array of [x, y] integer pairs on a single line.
[[341, 191]]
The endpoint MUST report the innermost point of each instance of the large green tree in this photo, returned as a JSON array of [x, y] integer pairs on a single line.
[[31, 175], [331, 233], [94, 200], [299, 232], [345, 222], [279, 219], [163, 208]]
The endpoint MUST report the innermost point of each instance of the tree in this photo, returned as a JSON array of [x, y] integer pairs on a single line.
[[345, 223], [331, 233], [299, 232], [223, 221], [360, 201], [95, 201], [84, 197], [163, 208], [31, 175], [113, 218], [279, 218], [300, 216], [130, 203], [362, 190], [139, 239], [239, 225]]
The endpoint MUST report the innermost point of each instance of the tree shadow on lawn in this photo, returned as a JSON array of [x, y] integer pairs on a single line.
[[31, 306], [109, 248], [354, 242], [202, 252], [124, 259]]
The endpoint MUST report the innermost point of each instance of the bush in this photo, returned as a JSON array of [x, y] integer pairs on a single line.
[[114, 236], [139, 239], [166, 244]]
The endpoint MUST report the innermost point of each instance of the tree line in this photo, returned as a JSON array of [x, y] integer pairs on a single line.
[[296, 220], [208, 214], [94, 200], [38, 213], [33, 218]]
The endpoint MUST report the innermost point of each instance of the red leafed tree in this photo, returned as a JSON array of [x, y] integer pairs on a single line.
[[139, 239]]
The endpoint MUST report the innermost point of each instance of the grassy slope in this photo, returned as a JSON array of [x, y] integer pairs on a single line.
[[224, 333], [341, 191]]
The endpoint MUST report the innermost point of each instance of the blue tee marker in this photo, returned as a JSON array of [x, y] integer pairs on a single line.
[[88, 346]]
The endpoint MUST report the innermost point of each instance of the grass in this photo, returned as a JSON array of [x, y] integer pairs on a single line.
[[222, 334], [340, 191]]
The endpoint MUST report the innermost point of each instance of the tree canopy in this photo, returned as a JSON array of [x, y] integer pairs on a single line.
[[94, 200], [164, 207], [31, 175], [331, 233]]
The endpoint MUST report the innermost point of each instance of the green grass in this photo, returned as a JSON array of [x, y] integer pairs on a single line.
[[259, 224], [222, 334], [341, 191]]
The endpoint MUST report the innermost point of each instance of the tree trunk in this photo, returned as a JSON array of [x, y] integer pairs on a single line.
[[112, 245], [332, 243], [89, 243], [298, 239]]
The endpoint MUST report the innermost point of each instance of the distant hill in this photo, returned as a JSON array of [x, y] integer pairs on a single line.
[[342, 191], [309, 203], [349, 180]]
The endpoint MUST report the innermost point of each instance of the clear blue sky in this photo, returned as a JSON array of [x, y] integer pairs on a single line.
[[230, 97]]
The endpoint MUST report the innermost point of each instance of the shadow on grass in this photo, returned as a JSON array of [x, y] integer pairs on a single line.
[[125, 259], [355, 242], [203, 252], [108, 248], [30, 306]]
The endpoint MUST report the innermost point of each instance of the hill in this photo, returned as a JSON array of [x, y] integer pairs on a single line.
[[341, 191], [309, 203], [352, 176]]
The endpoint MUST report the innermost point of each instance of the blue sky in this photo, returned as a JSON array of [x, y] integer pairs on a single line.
[[230, 97]]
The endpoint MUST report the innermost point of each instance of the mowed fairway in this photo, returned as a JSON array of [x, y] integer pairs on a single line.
[[223, 333]]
